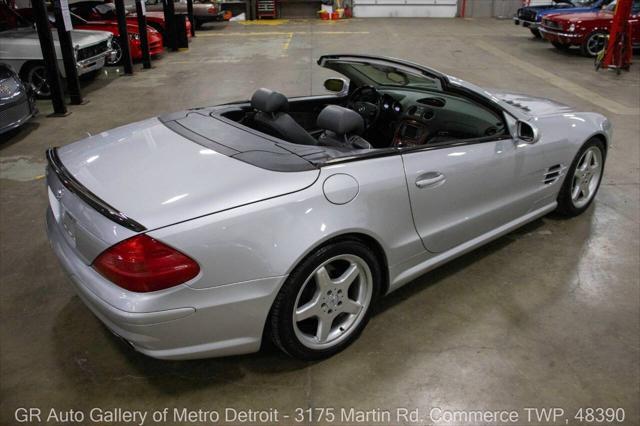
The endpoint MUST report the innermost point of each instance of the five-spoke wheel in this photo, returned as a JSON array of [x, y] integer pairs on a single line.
[[325, 302], [583, 178], [586, 177], [332, 301]]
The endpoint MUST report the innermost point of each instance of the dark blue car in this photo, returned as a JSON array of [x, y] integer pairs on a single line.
[[531, 16]]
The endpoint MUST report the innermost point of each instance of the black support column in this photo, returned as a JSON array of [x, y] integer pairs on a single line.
[[49, 56], [144, 42], [68, 56], [124, 37], [170, 21]]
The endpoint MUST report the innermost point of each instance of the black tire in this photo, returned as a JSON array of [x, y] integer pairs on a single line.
[[89, 76], [34, 74], [280, 325], [566, 204], [592, 44], [535, 32], [119, 58], [560, 46]]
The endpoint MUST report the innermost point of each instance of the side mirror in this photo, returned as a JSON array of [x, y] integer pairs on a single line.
[[527, 133], [337, 85]]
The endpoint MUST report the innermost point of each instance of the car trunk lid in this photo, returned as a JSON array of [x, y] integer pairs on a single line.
[[146, 174]]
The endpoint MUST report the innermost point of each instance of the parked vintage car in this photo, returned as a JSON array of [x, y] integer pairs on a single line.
[[203, 11], [98, 10], [20, 49], [288, 218], [135, 47], [17, 101], [531, 16], [154, 38], [585, 30]]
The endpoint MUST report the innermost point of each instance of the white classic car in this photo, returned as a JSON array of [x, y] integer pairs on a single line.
[[20, 49]]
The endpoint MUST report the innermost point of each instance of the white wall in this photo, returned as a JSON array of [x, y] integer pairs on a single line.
[[405, 8]]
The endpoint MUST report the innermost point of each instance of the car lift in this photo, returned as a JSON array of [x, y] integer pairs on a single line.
[[619, 49]]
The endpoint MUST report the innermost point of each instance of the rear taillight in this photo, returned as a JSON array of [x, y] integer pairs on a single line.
[[142, 264]]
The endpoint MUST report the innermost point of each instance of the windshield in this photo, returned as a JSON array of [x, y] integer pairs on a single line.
[[378, 74]]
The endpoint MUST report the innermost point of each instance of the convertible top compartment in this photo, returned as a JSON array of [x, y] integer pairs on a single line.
[[211, 130]]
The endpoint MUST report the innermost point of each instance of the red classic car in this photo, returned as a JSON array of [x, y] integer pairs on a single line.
[[585, 30], [153, 36], [99, 10]]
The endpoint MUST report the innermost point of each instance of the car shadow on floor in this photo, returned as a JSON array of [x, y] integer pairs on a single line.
[[17, 135], [88, 351]]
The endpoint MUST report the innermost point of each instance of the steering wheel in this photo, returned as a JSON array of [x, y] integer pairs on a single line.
[[362, 101]]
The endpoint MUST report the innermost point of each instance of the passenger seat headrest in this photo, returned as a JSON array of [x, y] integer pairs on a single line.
[[340, 120], [266, 100]]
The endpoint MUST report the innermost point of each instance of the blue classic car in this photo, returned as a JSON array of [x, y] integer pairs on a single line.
[[531, 16]]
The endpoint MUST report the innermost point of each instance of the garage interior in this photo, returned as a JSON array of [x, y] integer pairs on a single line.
[[547, 316]]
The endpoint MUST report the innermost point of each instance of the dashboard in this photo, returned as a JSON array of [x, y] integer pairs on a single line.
[[419, 117]]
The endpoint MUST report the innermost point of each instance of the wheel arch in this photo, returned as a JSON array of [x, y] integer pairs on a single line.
[[26, 64], [354, 235], [363, 237]]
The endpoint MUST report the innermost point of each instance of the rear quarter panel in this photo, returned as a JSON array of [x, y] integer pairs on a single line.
[[269, 238]]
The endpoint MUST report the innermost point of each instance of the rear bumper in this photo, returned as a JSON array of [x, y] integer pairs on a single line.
[[561, 37], [217, 17], [177, 323]]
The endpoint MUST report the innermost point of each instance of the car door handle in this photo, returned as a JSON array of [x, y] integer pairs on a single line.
[[429, 179]]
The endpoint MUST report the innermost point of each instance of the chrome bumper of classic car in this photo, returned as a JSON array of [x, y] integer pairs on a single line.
[[14, 114], [526, 24], [95, 63], [559, 35]]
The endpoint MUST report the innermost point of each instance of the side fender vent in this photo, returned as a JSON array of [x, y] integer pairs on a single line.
[[553, 173]]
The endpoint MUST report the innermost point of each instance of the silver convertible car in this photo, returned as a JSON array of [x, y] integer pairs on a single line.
[[204, 232]]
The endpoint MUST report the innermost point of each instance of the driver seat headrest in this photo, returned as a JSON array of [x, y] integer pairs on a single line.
[[341, 121], [266, 100]]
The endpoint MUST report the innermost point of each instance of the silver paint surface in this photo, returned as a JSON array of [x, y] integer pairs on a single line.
[[248, 228]]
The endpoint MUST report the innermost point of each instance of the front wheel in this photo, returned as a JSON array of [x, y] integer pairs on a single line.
[[593, 44], [117, 58], [34, 74], [583, 179], [326, 301], [560, 46]]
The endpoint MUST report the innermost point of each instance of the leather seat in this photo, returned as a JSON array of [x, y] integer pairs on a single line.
[[272, 118], [342, 127]]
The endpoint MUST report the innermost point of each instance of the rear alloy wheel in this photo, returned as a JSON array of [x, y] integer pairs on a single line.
[[35, 75], [593, 44], [117, 58], [583, 179], [325, 303], [535, 32]]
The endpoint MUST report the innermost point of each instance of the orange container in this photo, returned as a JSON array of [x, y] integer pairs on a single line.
[[335, 15], [324, 15]]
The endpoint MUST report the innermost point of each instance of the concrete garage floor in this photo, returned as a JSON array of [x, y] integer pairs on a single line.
[[548, 316]]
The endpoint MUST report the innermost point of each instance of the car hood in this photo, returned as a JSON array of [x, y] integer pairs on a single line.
[[532, 105], [79, 37], [568, 11], [583, 17], [158, 177], [131, 27]]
